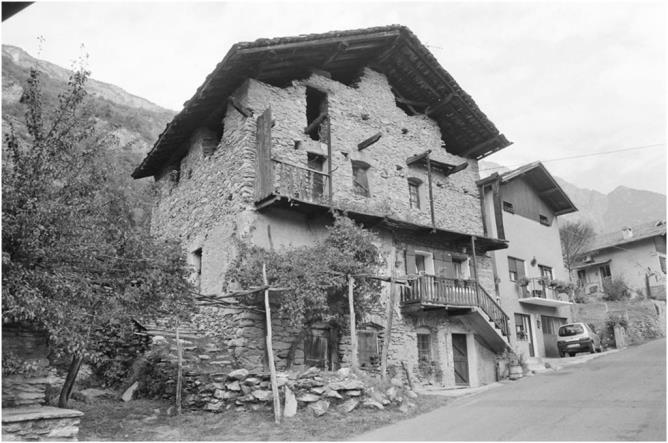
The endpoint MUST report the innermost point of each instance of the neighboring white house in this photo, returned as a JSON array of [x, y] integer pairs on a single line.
[[521, 206], [636, 254]]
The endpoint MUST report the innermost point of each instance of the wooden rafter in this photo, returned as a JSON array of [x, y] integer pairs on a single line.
[[369, 141]]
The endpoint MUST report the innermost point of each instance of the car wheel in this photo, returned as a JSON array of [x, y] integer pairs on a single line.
[[600, 349], [572, 354], [593, 347]]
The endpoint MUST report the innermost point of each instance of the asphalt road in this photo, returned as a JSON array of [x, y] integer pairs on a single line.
[[621, 396]]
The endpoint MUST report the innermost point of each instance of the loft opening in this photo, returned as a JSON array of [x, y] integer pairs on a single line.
[[316, 113]]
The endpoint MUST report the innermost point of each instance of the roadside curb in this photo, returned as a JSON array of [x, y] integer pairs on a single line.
[[459, 392], [557, 364]]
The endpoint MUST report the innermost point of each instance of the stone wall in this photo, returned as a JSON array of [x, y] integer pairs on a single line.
[[40, 424]]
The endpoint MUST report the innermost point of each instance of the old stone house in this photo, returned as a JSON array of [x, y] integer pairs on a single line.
[[522, 206], [366, 121]]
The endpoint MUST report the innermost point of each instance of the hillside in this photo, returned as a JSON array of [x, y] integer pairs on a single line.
[[135, 121], [605, 212]]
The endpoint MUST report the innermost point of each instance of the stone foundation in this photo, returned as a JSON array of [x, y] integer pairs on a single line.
[[40, 424]]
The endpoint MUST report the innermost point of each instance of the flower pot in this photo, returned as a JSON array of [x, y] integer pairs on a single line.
[[516, 372]]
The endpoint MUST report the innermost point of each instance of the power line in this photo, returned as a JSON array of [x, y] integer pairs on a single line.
[[591, 154]]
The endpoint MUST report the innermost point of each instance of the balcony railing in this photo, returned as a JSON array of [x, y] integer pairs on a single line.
[[441, 291], [297, 182], [539, 288]]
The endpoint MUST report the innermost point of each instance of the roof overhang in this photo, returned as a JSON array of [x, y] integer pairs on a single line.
[[545, 302], [371, 221], [414, 73], [547, 188], [591, 265], [444, 168]]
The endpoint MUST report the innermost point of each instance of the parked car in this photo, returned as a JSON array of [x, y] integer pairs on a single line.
[[577, 337]]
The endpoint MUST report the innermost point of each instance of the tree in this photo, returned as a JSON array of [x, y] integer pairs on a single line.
[[574, 238], [73, 257], [316, 275]]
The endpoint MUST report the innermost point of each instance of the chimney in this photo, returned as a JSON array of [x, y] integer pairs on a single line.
[[627, 233]]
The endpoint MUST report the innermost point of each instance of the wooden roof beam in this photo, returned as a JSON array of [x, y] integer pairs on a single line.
[[435, 107], [340, 48], [369, 141], [482, 145]]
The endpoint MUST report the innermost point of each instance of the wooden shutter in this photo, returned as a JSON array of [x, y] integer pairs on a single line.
[[367, 342], [263, 171], [440, 263], [315, 351]]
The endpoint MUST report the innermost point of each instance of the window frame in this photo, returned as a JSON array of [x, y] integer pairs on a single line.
[[517, 276], [361, 181], [414, 193]]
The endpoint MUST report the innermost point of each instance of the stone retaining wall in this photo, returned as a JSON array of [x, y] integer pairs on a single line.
[[40, 424]]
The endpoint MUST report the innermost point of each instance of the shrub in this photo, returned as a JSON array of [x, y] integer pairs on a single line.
[[615, 289]]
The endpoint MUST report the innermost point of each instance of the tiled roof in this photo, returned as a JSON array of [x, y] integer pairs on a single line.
[[640, 232]]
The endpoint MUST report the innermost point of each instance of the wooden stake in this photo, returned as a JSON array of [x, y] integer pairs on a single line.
[[179, 382], [389, 314], [270, 350], [353, 332]]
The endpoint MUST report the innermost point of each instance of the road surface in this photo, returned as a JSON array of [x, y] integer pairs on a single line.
[[621, 396]]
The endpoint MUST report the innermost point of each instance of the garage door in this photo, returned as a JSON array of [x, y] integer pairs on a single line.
[[550, 328]]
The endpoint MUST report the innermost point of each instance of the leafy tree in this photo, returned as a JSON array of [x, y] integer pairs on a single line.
[[316, 275], [73, 257], [574, 238]]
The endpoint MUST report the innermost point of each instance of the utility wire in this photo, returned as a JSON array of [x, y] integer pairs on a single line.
[[591, 154]]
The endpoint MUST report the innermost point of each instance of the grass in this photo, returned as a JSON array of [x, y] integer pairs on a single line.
[[146, 420]]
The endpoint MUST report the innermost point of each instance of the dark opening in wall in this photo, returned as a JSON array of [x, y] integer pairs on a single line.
[[316, 106], [197, 267]]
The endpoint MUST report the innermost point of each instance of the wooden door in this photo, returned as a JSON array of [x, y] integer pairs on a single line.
[[460, 359], [315, 351]]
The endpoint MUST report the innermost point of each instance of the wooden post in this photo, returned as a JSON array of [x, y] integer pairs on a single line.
[[389, 315], [353, 331], [431, 193], [475, 270], [270, 350], [179, 382]]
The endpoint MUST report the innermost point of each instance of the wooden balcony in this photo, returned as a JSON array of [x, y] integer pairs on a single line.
[[294, 182], [430, 292], [538, 292]]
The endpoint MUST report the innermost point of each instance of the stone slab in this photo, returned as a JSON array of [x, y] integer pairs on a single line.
[[15, 415]]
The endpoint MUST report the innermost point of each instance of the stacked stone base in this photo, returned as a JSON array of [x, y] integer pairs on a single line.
[[40, 423]]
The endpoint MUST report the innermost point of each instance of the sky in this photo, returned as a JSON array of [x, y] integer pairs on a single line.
[[559, 79]]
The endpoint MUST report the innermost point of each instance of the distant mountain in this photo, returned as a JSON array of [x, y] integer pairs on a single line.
[[135, 121], [605, 212]]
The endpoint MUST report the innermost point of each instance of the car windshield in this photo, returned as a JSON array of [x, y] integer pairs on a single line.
[[569, 330]]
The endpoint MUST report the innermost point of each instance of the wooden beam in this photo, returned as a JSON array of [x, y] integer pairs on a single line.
[[315, 122], [482, 145], [439, 104], [498, 214], [418, 157], [246, 112], [389, 315], [481, 196], [270, 349], [341, 47], [406, 101], [179, 371], [354, 363], [369, 141], [431, 195]]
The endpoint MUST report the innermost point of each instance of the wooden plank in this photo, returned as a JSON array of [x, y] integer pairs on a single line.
[[369, 141], [483, 212], [431, 195], [179, 371], [264, 180], [270, 349], [246, 112], [353, 328], [498, 214], [389, 315], [435, 107], [483, 145], [315, 122]]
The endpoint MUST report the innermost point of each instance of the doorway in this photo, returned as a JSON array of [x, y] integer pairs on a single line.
[[460, 359], [550, 328]]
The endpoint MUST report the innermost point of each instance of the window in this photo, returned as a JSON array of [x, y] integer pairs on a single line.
[[544, 220], [604, 271], [424, 263], [360, 181], [414, 192], [461, 268], [508, 207], [317, 163], [546, 271], [316, 111], [582, 277], [515, 268], [419, 264], [662, 263], [424, 346]]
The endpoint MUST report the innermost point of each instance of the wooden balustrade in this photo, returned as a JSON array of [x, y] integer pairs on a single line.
[[441, 291], [299, 182]]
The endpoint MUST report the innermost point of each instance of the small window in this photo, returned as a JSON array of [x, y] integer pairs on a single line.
[[605, 271], [544, 220], [508, 207], [360, 180], [515, 268], [582, 277], [424, 347], [662, 263], [414, 193]]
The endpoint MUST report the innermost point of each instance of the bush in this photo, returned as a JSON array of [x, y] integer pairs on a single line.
[[615, 289]]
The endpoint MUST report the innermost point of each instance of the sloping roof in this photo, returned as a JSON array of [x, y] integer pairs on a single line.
[[545, 186], [640, 232], [394, 50]]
